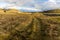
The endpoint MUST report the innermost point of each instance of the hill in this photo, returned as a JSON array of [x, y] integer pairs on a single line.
[[16, 25]]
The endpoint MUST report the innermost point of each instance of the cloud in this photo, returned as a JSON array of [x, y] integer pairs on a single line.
[[50, 4], [30, 5]]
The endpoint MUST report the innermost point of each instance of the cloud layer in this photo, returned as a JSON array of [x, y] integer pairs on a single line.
[[30, 5]]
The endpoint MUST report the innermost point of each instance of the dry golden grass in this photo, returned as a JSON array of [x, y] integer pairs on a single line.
[[16, 25]]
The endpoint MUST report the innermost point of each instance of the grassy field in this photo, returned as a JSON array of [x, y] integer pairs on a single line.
[[16, 25]]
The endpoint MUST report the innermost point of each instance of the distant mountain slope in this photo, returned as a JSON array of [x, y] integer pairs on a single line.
[[53, 11]]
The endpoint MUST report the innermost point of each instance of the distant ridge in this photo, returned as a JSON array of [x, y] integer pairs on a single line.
[[15, 10], [55, 12], [52, 11], [9, 10]]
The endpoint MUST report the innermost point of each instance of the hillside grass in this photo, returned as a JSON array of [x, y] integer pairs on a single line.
[[16, 25]]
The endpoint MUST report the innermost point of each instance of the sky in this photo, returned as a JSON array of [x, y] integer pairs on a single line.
[[30, 5]]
